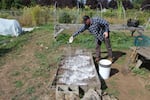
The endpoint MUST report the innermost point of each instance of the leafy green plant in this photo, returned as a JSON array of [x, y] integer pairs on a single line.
[[121, 40], [44, 68], [65, 18], [120, 8], [18, 84], [35, 12], [26, 18], [4, 15], [34, 16], [30, 90], [138, 71], [109, 13]]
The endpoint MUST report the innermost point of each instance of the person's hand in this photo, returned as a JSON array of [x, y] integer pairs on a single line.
[[106, 34], [71, 39]]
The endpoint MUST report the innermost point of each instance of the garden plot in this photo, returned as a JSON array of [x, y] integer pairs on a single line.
[[77, 69]]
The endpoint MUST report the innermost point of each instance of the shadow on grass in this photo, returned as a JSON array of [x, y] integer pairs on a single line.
[[113, 71], [4, 51], [118, 54]]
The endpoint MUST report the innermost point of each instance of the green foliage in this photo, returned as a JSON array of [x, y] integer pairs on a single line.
[[9, 44], [3, 4], [44, 68], [65, 18], [30, 90], [4, 15], [33, 2], [113, 92], [17, 3], [137, 3], [18, 84], [7, 4], [120, 8], [121, 40], [15, 73], [142, 71], [34, 16], [35, 12], [109, 13], [147, 87]]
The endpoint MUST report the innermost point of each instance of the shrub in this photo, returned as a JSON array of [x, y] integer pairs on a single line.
[[65, 18], [4, 15], [35, 12], [26, 18], [34, 16]]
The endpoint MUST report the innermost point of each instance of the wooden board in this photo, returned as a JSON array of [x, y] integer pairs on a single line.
[[143, 51]]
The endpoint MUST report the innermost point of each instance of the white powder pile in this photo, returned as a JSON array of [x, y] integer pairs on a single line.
[[78, 70]]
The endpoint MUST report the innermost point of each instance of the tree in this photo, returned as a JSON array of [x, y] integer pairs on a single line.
[[145, 5], [103, 3], [93, 4], [17, 3], [32, 2], [44, 2], [26, 2], [6, 4], [127, 4], [112, 4], [66, 3]]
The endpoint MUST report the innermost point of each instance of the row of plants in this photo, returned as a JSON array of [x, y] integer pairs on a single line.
[[38, 15]]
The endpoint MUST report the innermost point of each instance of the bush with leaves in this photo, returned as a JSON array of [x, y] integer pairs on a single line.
[[65, 18]]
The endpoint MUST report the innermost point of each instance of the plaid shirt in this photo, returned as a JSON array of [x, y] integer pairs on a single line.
[[97, 28]]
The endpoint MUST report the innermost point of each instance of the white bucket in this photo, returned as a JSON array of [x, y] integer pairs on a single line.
[[104, 68]]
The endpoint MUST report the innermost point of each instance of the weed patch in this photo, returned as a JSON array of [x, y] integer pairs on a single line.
[[18, 84]]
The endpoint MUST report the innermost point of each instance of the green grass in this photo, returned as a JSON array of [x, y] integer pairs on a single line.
[[142, 72], [30, 90], [132, 92], [119, 40], [113, 83], [44, 68], [113, 92], [147, 86], [18, 84], [34, 98], [26, 69], [9, 44], [15, 73]]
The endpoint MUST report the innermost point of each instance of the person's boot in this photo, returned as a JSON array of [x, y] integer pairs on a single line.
[[111, 59]]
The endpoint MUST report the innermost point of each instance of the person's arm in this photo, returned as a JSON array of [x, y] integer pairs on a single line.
[[82, 29]]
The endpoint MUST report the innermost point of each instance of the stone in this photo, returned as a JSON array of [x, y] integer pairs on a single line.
[[91, 95], [65, 92]]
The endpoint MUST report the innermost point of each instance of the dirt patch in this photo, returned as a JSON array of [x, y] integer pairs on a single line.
[[127, 87], [21, 76]]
